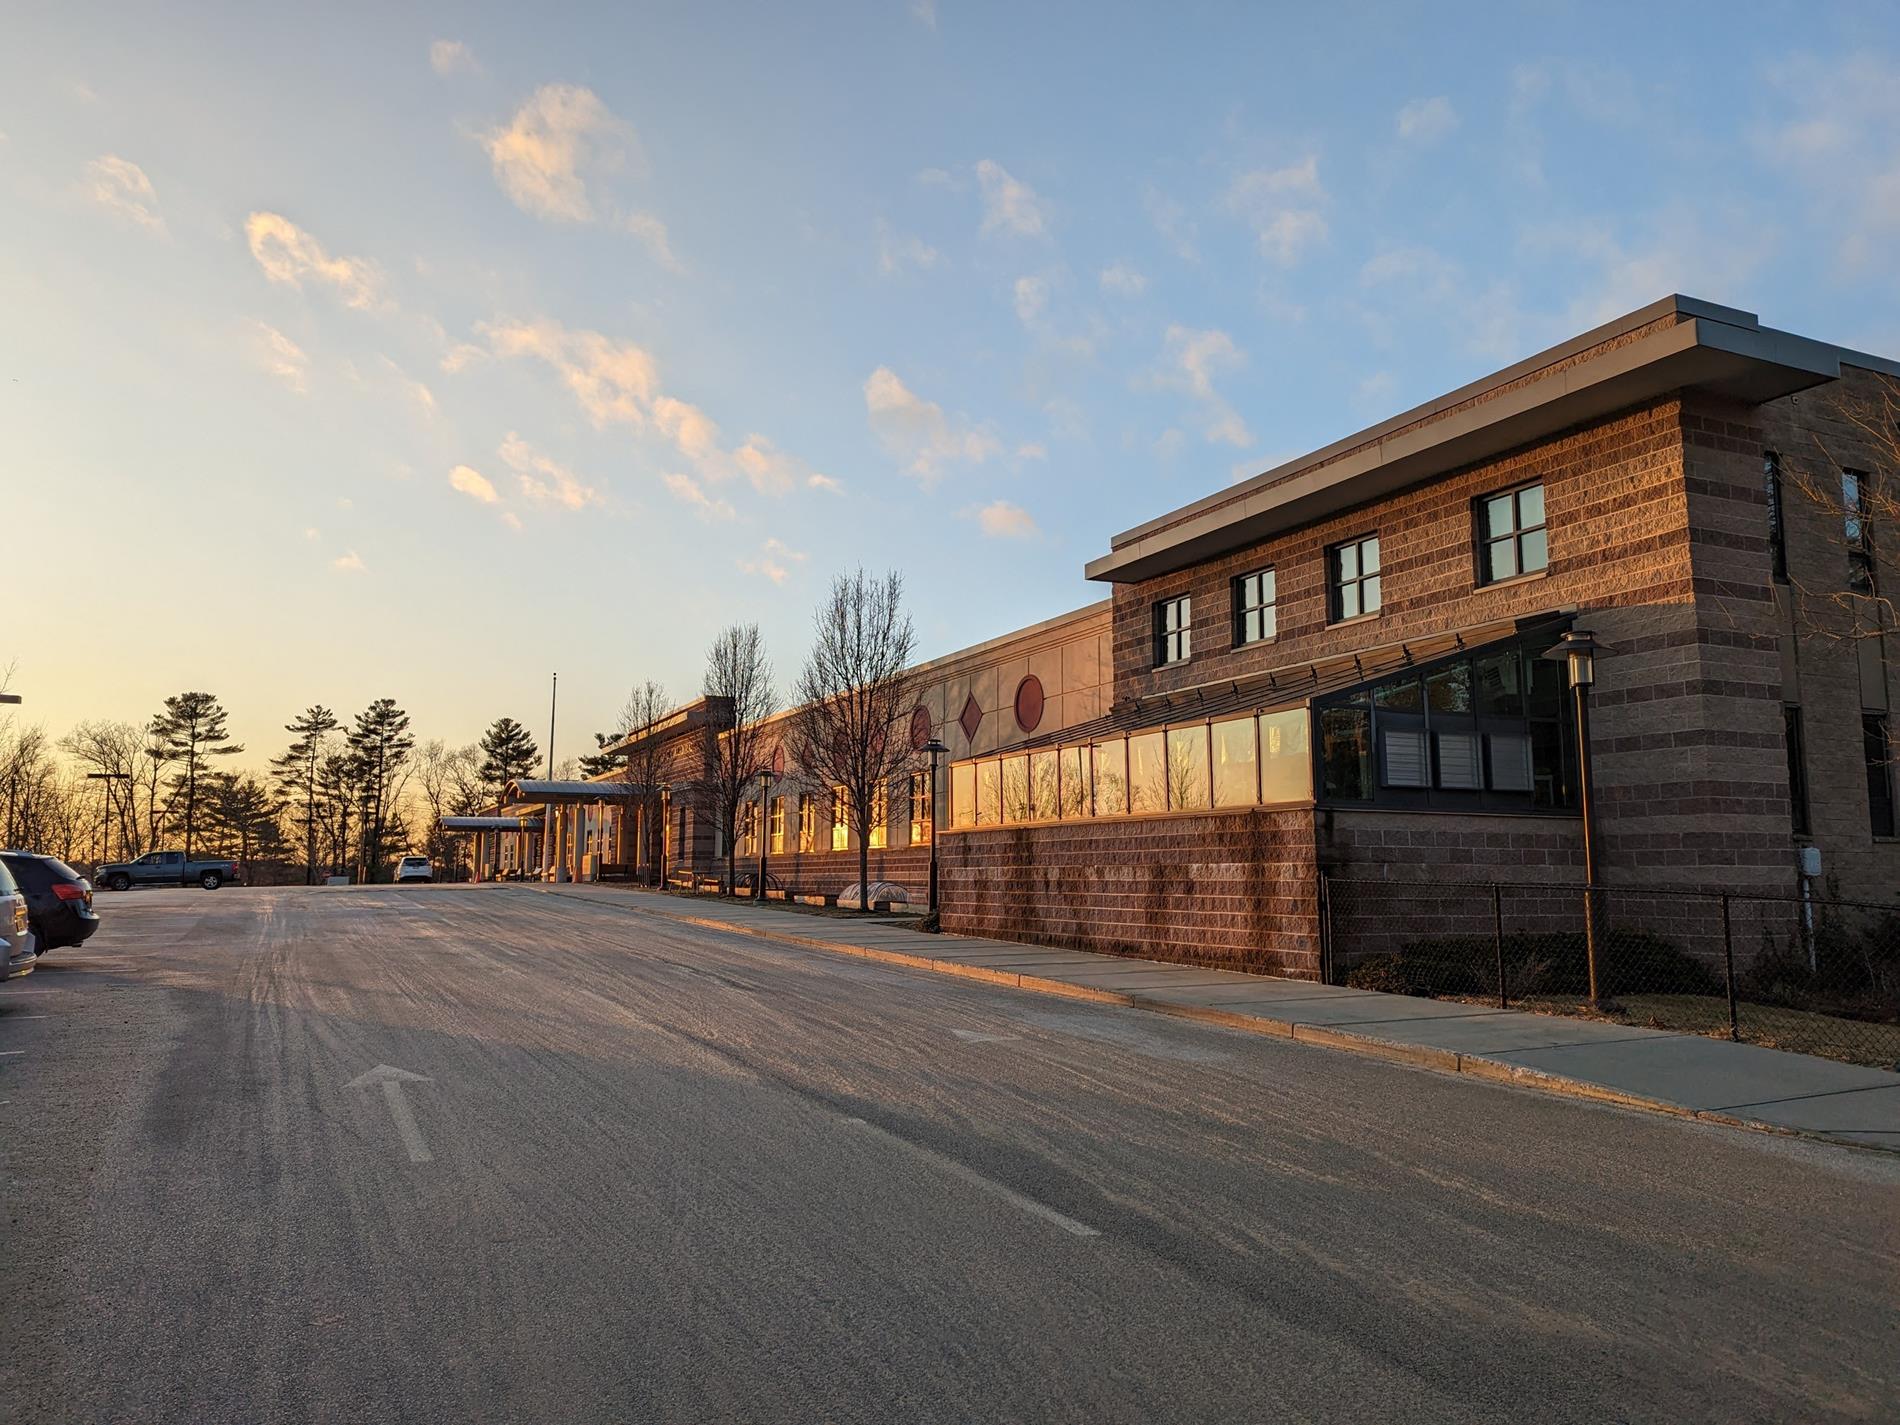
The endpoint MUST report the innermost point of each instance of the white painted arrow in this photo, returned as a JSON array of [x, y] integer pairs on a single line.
[[392, 1080]]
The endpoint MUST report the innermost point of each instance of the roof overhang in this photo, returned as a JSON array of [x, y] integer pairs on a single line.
[[536, 792], [705, 712], [1710, 348], [490, 823]]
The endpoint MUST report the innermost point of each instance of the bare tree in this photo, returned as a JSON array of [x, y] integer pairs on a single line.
[[646, 765], [127, 786], [450, 783], [731, 756], [854, 690]]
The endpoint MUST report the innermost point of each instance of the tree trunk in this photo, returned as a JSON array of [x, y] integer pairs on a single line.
[[864, 870]]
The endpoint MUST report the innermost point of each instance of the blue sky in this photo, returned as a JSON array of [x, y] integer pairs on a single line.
[[421, 351]]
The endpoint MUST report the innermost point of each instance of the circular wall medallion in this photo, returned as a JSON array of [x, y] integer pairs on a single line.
[[1029, 703], [919, 729]]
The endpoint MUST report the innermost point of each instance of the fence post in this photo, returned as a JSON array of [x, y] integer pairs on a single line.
[[1728, 967], [1497, 938]]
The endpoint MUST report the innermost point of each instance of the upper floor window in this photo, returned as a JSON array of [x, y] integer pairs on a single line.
[[1879, 755], [1255, 618], [1173, 634], [778, 825], [840, 819], [1352, 577], [1511, 526], [808, 823], [1777, 530], [1860, 539], [881, 816]]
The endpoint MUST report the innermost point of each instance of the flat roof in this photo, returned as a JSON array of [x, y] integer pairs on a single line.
[[1675, 344]]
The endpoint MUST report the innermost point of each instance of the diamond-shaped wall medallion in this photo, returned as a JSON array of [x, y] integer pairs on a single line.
[[971, 717]]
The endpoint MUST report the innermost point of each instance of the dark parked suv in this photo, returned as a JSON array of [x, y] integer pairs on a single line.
[[58, 899]]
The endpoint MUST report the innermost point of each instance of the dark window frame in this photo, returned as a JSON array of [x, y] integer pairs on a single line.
[[1795, 740], [1337, 583], [1481, 532], [1268, 609], [1777, 516], [1173, 643], [1877, 750], [1861, 578]]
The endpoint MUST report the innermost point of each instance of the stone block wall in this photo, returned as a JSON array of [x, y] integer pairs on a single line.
[[1238, 890]]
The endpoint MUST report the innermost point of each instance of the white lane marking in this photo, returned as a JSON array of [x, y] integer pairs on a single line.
[[9, 1053], [975, 1179], [976, 1036], [12, 1017], [392, 1080]]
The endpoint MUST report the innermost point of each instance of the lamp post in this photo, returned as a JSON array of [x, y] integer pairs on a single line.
[[105, 808], [665, 792], [1579, 651], [936, 749], [764, 824]]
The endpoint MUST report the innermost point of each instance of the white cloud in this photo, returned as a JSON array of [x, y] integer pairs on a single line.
[[651, 231], [313, 534], [1426, 121], [896, 251], [511, 519], [1122, 280], [350, 563], [289, 254], [613, 381], [1002, 520], [1840, 141], [474, 484], [281, 357], [917, 431], [1009, 205], [1032, 298], [121, 187], [1282, 206], [773, 561], [687, 490], [1032, 450], [815, 481], [924, 12], [461, 356], [556, 142], [544, 480], [452, 57], [1192, 360], [1172, 223], [771, 470]]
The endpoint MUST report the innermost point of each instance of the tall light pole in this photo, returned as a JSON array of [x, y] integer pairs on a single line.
[[936, 749], [105, 808], [554, 694], [1579, 651], [765, 803]]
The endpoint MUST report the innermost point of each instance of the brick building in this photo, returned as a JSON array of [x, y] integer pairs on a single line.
[[1338, 665]]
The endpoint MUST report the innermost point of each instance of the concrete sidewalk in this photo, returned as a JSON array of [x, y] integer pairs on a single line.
[[1683, 1074]]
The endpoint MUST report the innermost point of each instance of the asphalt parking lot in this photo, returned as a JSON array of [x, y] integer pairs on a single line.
[[446, 1153]]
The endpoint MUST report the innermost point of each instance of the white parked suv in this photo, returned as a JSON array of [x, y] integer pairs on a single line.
[[17, 945], [414, 868]]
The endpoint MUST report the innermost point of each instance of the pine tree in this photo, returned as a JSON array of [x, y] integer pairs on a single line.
[[299, 772], [380, 744], [508, 754], [601, 761], [190, 730]]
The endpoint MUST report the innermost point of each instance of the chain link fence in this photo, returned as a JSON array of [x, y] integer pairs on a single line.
[[1815, 976]]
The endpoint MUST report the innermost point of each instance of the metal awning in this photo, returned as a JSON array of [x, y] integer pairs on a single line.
[[490, 823], [1296, 684], [537, 792]]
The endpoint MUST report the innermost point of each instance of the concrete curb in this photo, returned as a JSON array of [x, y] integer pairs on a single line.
[[1422, 1056]]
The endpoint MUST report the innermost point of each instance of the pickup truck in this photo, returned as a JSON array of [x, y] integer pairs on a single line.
[[166, 868]]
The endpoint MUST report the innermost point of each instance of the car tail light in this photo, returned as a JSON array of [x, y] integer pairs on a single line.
[[67, 891]]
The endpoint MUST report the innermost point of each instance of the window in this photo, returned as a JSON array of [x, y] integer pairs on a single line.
[[748, 829], [881, 816], [1511, 533], [989, 793], [963, 795], [1860, 537], [1016, 789], [807, 823], [1147, 773], [1286, 771], [840, 820], [1777, 531], [1042, 785], [1873, 736], [1236, 763], [1254, 613], [1074, 773], [778, 825], [1111, 778], [1797, 770], [1173, 636], [920, 800], [1488, 730], [1352, 577]]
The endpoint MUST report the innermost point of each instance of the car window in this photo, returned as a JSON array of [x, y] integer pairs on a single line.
[[170, 858], [30, 872], [8, 886], [59, 868], [150, 859]]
